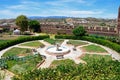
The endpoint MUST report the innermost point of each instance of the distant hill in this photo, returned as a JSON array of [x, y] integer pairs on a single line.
[[48, 17]]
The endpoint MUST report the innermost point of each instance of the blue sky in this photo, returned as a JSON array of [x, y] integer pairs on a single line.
[[70, 8]]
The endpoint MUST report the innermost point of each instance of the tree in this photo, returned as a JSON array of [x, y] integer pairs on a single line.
[[79, 31], [102, 24], [34, 25], [22, 22]]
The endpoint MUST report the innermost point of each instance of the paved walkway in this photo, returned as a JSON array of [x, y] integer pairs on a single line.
[[115, 55], [47, 62], [3, 51], [8, 75], [49, 58]]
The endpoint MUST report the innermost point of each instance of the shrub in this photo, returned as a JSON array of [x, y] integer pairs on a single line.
[[79, 31], [20, 40], [100, 41], [96, 70]]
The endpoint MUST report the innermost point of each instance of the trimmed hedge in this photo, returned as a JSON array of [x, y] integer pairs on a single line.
[[103, 42], [20, 40], [114, 39]]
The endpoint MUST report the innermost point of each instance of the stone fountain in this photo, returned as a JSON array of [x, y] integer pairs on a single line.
[[57, 50]]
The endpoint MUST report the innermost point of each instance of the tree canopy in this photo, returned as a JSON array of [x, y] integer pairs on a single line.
[[102, 24], [34, 25], [22, 22], [79, 31]]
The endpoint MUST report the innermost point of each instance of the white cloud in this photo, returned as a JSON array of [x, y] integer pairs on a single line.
[[30, 3], [63, 2], [25, 5], [70, 2], [16, 7], [53, 8], [6, 12], [52, 12], [78, 1], [86, 12], [76, 13]]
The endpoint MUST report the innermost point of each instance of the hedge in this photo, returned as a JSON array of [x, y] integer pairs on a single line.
[[20, 40], [103, 42]]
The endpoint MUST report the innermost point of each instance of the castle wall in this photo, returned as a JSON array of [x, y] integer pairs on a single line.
[[67, 29]]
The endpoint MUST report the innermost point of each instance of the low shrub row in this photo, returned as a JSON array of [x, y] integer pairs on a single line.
[[114, 39], [103, 42], [20, 40]]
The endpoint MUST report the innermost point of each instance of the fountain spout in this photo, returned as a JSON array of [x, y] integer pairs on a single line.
[[57, 47]]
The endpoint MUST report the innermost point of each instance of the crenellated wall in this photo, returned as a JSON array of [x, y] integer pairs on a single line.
[[67, 29]]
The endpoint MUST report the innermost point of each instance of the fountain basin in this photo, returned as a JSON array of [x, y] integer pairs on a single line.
[[52, 50]]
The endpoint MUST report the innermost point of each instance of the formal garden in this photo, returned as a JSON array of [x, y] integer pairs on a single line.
[[88, 58]]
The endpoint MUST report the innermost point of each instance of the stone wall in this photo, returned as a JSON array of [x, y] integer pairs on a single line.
[[67, 29]]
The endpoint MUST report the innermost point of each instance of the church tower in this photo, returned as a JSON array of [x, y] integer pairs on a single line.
[[118, 25]]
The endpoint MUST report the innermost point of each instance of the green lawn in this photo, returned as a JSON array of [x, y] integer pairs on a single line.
[[23, 64], [33, 44], [53, 41], [90, 58], [62, 62], [93, 48], [76, 42], [2, 41], [21, 60], [16, 51]]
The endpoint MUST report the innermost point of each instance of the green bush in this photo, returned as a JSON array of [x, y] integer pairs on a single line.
[[79, 31], [20, 40], [103, 42], [114, 39], [96, 70], [65, 36], [100, 41]]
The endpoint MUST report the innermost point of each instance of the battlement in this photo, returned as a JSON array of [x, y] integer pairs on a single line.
[[67, 29]]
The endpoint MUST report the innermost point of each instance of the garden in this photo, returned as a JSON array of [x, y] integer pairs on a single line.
[[23, 63], [33, 44], [19, 60], [76, 42], [98, 68], [93, 48]]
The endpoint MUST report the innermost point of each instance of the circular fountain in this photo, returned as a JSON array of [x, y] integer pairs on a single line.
[[57, 50]]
